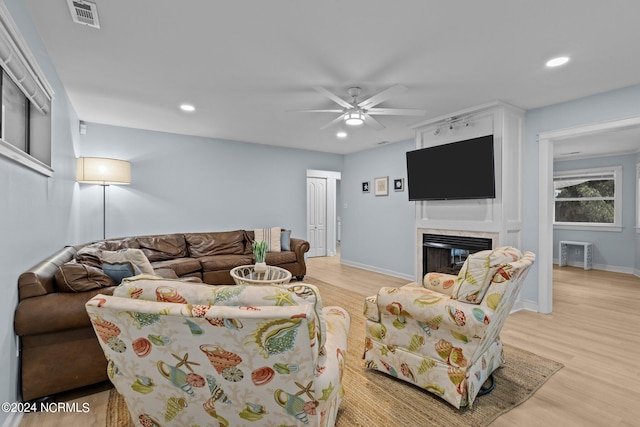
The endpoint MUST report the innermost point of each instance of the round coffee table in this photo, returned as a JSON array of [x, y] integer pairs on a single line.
[[246, 275]]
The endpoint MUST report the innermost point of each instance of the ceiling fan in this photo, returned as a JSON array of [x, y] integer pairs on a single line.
[[357, 112]]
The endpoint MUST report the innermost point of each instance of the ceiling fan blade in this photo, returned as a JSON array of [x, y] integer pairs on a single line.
[[317, 111], [396, 112], [332, 96], [381, 96], [336, 120], [373, 122]]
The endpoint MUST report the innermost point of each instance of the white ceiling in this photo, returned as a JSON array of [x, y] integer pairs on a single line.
[[247, 64]]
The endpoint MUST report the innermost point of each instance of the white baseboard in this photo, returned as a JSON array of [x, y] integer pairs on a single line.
[[603, 267], [525, 305], [377, 270], [13, 420], [636, 272]]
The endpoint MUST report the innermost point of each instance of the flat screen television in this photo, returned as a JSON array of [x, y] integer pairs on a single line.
[[459, 170]]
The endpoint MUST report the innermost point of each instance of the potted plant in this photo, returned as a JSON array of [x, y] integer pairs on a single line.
[[260, 252]]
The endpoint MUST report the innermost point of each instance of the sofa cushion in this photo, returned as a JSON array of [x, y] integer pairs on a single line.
[[75, 277], [249, 238], [278, 258], [224, 262], [181, 266], [165, 273], [118, 244], [163, 246], [135, 256], [217, 243], [269, 235], [59, 311]]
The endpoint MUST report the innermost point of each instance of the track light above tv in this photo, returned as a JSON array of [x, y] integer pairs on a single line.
[[452, 123]]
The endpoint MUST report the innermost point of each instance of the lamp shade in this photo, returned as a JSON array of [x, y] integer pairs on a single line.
[[98, 170], [354, 118]]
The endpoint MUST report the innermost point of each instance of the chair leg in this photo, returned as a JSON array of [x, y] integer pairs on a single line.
[[488, 386]]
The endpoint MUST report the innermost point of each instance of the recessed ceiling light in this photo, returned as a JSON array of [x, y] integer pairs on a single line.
[[556, 62], [187, 107], [341, 134]]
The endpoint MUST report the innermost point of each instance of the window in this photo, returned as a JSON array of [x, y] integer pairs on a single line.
[[25, 115], [588, 198]]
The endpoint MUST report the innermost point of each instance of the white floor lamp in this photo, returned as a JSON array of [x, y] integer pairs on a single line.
[[101, 171]]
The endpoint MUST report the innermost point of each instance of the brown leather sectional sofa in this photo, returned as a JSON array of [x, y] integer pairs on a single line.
[[59, 350]]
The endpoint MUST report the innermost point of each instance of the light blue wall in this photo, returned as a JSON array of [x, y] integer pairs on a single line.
[[378, 232], [184, 183], [607, 106], [637, 261], [37, 214], [612, 250]]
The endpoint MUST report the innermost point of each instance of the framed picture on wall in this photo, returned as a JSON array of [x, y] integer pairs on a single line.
[[381, 186], [398, 184], [365, 187]]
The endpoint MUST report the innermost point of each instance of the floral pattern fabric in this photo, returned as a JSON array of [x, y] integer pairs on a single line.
[[443, 345], [476, 274], [155, 288], [184, 354]]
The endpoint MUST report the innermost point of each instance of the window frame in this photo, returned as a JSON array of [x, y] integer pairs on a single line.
[[617, 199], [22, 68]]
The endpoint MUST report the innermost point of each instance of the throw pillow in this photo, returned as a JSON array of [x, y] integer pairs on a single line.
[[120, 270], [285, 240], [135, 256], [269, 235], [90, 255], [216, 243], [475, 276], [76, 277]]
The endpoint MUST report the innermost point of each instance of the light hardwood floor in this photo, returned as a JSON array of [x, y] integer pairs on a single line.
[[594, 331]]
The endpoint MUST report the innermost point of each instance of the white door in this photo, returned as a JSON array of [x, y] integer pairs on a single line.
[[317, 216]]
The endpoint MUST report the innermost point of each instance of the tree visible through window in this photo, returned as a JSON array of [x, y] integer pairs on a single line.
[[586, 197]]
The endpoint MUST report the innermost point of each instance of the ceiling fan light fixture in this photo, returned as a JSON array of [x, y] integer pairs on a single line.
[[354, 118]]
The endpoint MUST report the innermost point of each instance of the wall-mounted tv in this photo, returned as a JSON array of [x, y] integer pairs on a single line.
[[459, 170]]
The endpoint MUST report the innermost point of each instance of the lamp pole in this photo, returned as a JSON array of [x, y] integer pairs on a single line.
[[104, 172], [104, 211]]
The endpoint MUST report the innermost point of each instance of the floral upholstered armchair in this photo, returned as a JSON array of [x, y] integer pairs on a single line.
[[184, 354], [443, 335]]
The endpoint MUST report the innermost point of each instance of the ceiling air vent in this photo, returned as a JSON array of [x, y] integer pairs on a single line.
[[84, 12]]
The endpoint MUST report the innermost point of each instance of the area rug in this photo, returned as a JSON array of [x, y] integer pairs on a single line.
[[374, 399]]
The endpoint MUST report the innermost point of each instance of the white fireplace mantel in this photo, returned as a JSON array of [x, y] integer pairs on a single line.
[[500, 218]]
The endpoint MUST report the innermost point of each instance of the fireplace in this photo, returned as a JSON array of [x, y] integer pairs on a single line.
[[446, 254]]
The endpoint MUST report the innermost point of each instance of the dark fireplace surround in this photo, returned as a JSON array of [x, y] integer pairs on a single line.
[[446, 254]]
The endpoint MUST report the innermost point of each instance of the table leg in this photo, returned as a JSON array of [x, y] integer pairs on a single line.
[[588, 256], [563, 255]]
